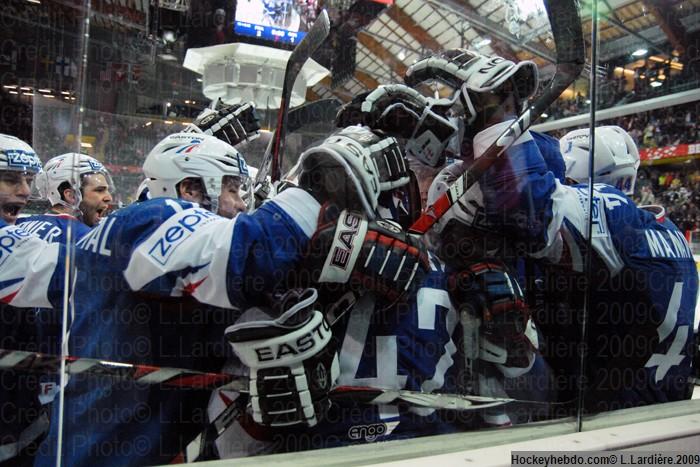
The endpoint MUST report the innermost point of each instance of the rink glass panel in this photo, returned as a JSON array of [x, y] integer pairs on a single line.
[[118, 87], [42, 58], [649, 87]]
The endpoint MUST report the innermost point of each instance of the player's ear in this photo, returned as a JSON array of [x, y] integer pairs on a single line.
[[190, 190], [69, 196]]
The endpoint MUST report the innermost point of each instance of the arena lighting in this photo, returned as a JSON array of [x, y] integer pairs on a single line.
[[545, 115], [10, 86], [148, 123], [85, 145], [14, 92], [36, 2], [45, 90], [655, 84], [482, 43], [25, 88], [168, 36], [168, 122], [65, 93], [639, 52], [401, 55]]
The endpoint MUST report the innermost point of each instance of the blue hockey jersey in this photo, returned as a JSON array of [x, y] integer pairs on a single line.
[[643, 277], [54, 227], [157, 283], [29, 277]]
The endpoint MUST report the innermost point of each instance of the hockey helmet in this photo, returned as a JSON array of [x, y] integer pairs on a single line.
[[16, 155], [69, 168], [187, 155], [616, 157]]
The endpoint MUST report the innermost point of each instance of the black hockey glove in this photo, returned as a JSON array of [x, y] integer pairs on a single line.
[[490, 292], [230, 123], [292, 358], [401, 111], [366, 255]]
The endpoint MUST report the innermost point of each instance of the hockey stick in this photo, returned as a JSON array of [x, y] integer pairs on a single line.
[[565, 22], [191, 379], [301, 53]]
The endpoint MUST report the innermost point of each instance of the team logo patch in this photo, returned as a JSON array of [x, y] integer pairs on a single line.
[[321, 376], [95, 166], [178, 229], [17, 158], [207, 119], [388, 226]]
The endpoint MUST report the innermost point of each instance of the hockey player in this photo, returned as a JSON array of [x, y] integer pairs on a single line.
[[79, 190], [387, 338], [157, 283], [81, 205], [24, 259], [642, 275], [499, 337]]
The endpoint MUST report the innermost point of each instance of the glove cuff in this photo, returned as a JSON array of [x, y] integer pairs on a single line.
[[287, 350], [345, 248]]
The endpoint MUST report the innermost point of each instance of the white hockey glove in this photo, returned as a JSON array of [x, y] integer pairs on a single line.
[[230, 123], [367, 255], [401, 111], [472, 74], [292, 358]]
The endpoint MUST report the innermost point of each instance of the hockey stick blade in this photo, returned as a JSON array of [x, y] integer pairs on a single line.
[[565, 22], [190, 379], [301, 53]]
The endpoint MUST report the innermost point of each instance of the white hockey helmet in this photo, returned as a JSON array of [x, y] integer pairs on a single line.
[[469, 208], [371, 163], [462, 233], [142, 193], [616, 157], [473, 74], [68, 168], [16, 155], [187, 155]]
